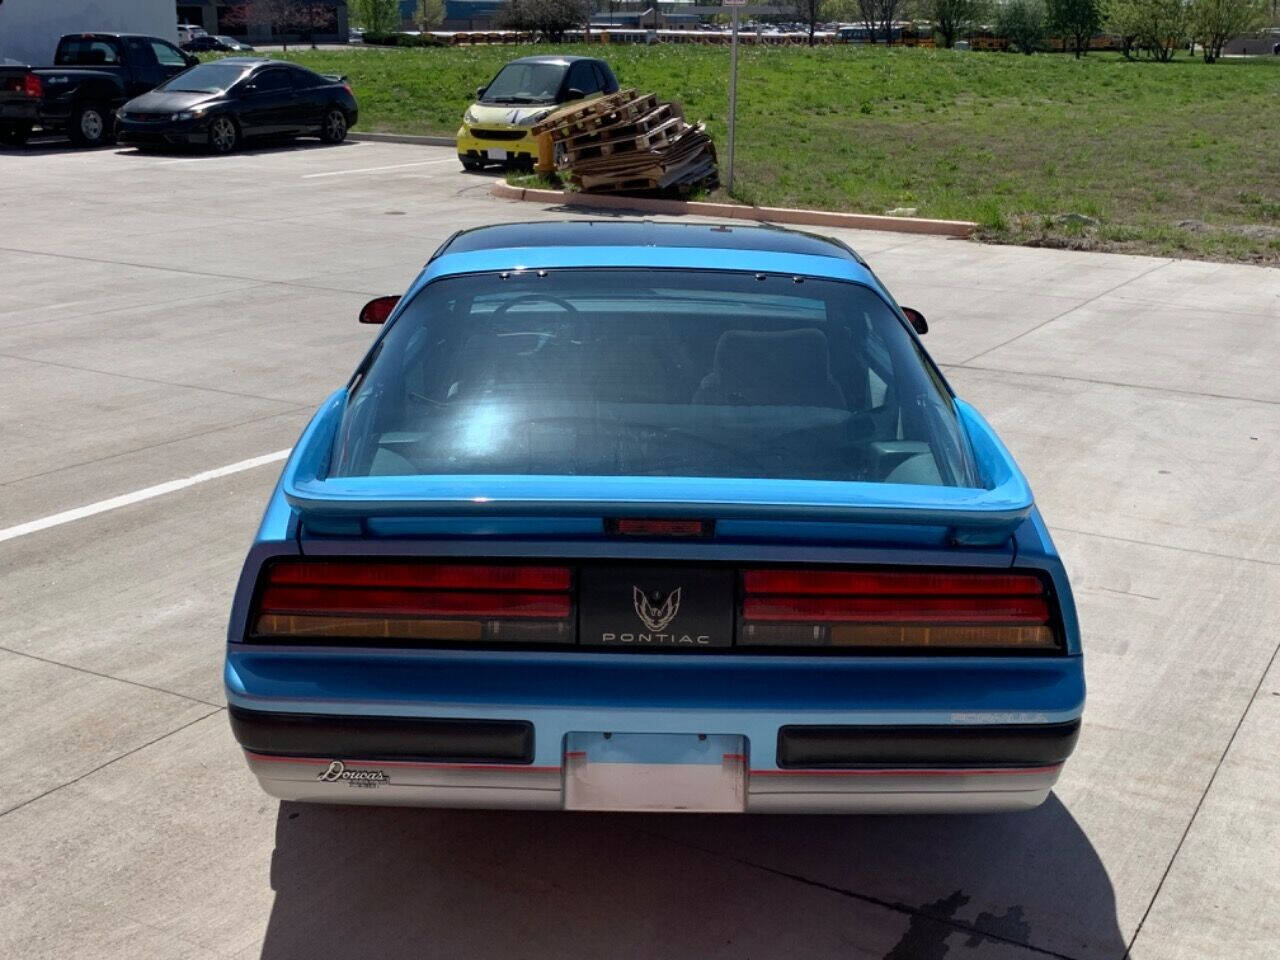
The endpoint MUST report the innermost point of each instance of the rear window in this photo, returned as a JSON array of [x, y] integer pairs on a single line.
[[651, 373], [86, 52]]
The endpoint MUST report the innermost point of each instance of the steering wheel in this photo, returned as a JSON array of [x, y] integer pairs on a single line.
[[536, 298]]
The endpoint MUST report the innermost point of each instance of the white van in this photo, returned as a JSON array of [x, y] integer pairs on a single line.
[[188, 32]]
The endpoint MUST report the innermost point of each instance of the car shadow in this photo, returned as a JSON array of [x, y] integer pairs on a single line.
[[47, 146], [395, 883], [253, 149]]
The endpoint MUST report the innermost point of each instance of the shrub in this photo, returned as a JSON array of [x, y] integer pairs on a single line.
[[403, 40]]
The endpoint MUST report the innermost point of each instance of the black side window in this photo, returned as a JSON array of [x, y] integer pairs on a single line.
[[583, 78], [605, 79], [168, 56], [303, 79], [271, 80], [86, 52], [140, 54]]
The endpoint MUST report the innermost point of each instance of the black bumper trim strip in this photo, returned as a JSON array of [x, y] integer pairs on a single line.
[[925, 747], [382, 738]]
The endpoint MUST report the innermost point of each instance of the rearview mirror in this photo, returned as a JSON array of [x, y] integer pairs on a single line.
[[378, 309], [480, 92], [191, 61], [918, 322], [575, 94]]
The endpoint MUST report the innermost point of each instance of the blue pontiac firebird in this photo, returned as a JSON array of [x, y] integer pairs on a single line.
[[638, 516]]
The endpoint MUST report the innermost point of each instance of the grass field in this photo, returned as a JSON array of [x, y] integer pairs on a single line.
[[1180, 158]]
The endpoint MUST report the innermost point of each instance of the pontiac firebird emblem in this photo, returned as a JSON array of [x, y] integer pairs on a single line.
[[655, 618]]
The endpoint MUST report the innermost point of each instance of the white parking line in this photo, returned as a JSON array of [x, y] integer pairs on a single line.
[[394, 166], [124, 500]]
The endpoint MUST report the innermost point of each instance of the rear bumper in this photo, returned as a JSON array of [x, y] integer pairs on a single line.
[[528, 787], [20, 112], [803, 752]]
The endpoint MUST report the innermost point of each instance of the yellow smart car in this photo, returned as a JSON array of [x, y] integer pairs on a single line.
[[496, 128]]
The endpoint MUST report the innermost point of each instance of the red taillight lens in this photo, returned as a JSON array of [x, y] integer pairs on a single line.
[[33, 86], [415, 600], [895, 609]]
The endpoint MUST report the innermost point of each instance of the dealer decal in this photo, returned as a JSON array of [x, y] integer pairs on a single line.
[[337, 770]]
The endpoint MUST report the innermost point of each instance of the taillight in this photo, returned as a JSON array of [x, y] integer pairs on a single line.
[[895, 609], [648, 527], [412, 600], [33, 86]]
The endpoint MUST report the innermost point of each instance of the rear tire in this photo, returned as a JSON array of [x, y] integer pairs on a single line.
[[334, 127], [90, 125], [224, 135], [14, 134]]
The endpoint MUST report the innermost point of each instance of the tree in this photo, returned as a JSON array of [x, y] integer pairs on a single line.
[[283, 16], [951, 18], [430, 14], [377, 16], [1214, 22], [1077, 20], [879, 16], [1124, 19], [1022, 23], [551, 18], [1162, 27], [810, 12]]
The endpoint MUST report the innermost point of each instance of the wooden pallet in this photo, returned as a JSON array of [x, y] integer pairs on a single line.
[[636, 126], [688, 141], [660, 135], [593, 113]]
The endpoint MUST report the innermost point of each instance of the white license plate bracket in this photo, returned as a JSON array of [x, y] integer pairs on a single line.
[[653, 772]]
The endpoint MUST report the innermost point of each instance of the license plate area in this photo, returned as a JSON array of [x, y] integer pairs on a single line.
[[655, 772], [496, 154], [656, 608]]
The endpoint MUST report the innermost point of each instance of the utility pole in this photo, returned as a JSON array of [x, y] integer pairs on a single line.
[[733, 87]]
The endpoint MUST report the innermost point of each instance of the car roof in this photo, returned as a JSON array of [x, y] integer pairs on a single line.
[[645, 244], [646, 234], [559, 59]]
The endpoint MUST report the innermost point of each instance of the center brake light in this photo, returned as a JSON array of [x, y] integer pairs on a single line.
[[412, 600], [896, 609]]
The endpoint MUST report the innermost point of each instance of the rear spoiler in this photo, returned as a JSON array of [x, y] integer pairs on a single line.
[[970, 516], [335, 77]]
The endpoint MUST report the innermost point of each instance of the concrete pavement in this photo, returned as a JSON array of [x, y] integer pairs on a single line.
[[163, 316]]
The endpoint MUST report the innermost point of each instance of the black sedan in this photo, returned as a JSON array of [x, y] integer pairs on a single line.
[[222, 103], [204, 43]]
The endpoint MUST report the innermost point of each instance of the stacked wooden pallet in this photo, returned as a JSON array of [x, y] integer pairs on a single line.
[[630, 142]]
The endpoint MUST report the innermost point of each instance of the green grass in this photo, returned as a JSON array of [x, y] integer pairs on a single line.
[[1006, 140]]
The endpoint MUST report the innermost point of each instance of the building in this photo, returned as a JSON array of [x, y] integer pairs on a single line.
[[29, 29], [321, 21]]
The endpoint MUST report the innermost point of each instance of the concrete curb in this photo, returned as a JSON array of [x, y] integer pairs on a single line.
[[402, 138], [735, 211]]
